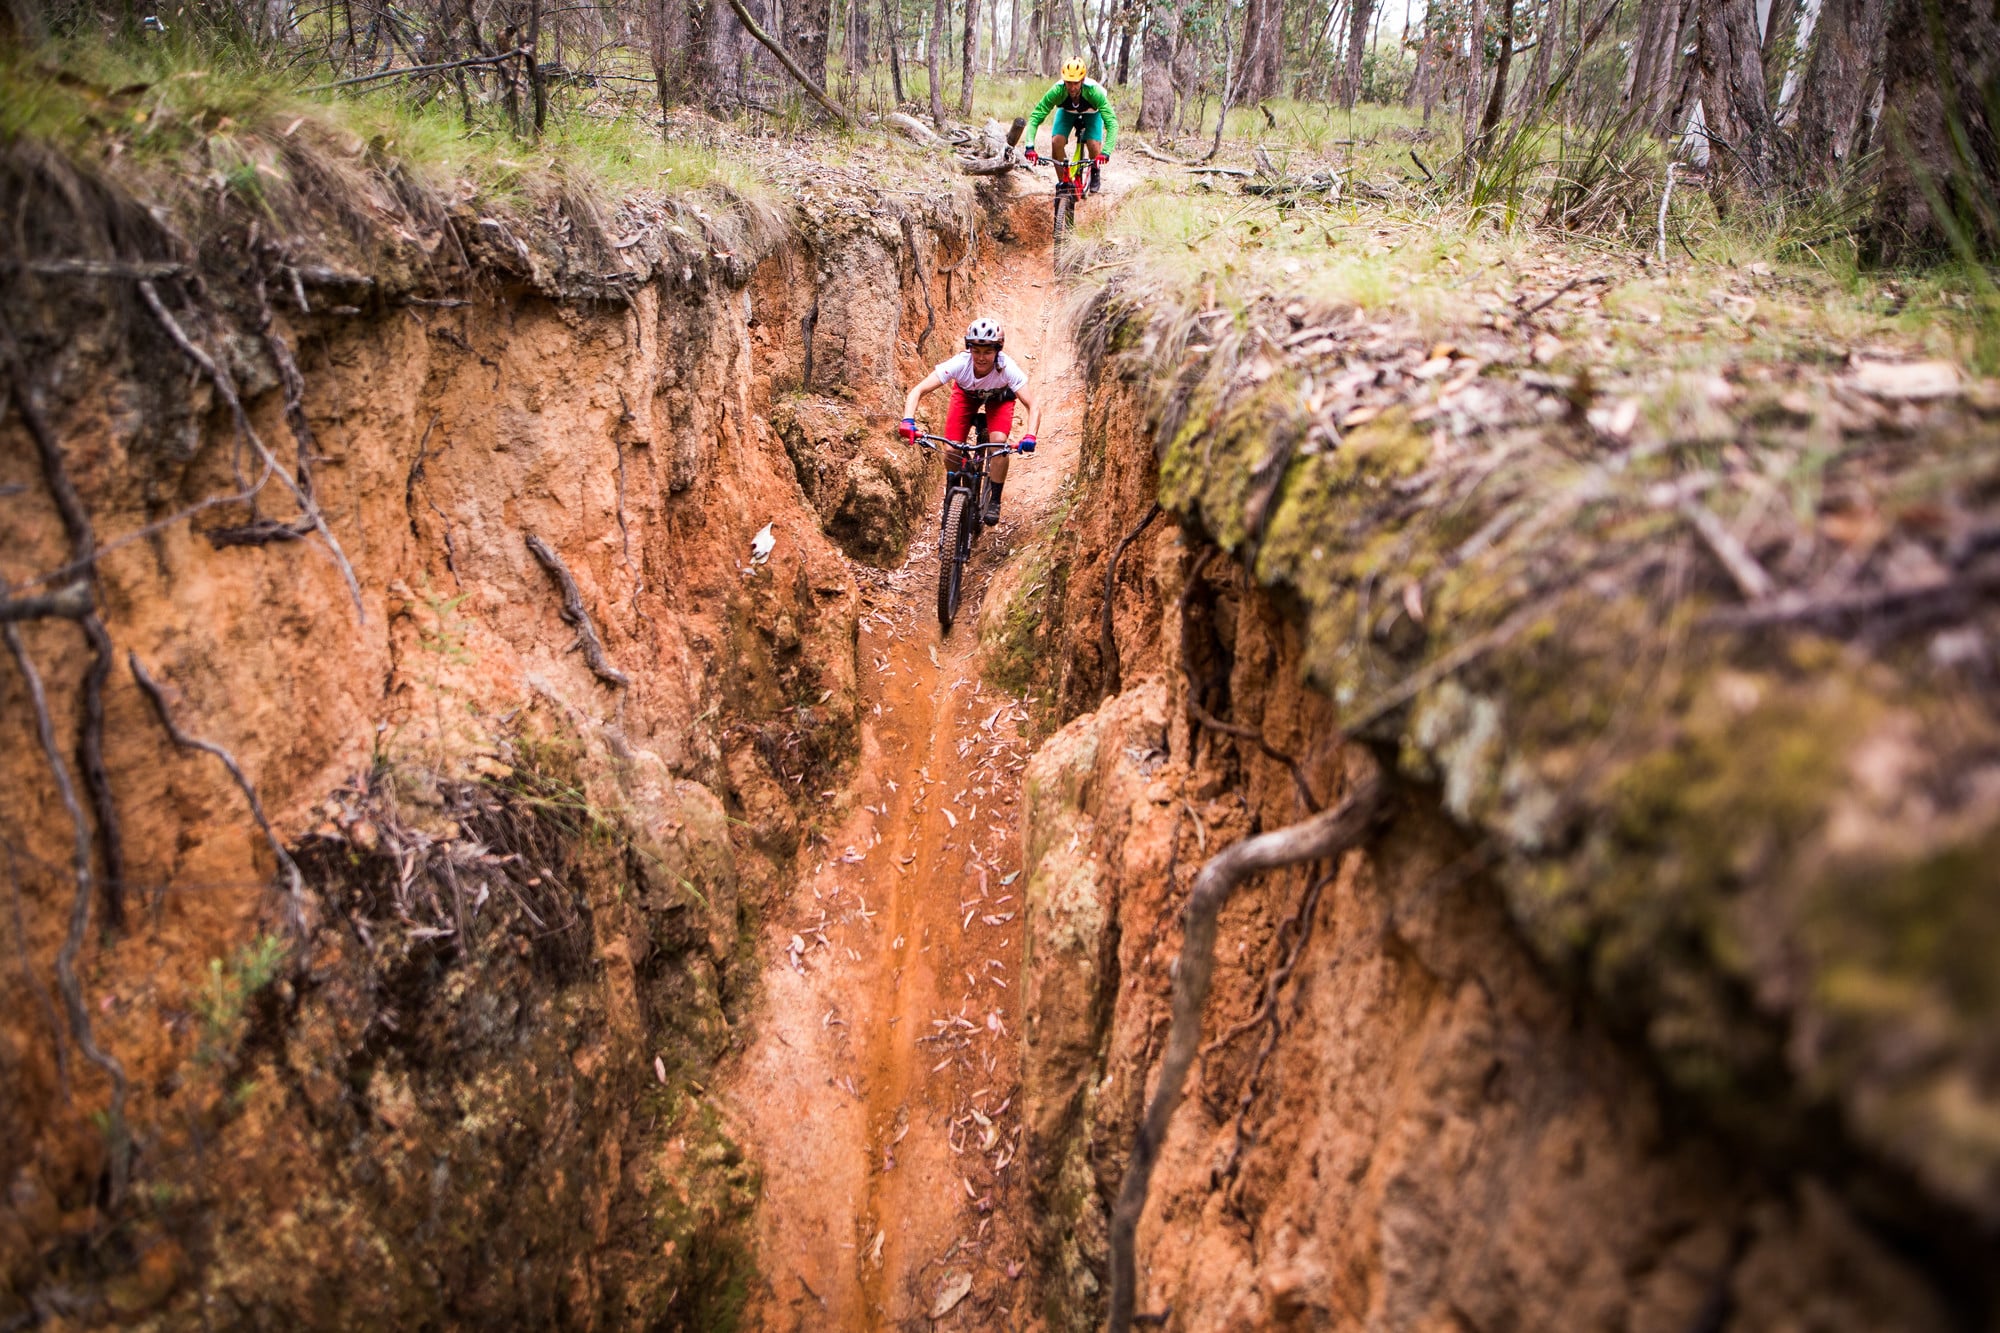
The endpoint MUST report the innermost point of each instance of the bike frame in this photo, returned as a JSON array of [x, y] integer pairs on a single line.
[[955, 541]]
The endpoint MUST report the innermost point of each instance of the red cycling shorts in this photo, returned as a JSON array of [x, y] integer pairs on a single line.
[[958, 417]]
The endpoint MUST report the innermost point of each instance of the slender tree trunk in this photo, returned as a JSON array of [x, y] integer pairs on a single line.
[[1847, 53], [893, 31], [1014, 34], [1940, 134], [1529, 101], [934, 58], [969, 63], [1501, 69], [1357, 33], [1743, 137], [1781, 26], [667, 33], [1475, 79]]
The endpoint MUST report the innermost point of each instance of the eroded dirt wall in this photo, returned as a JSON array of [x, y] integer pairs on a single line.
[[334, 1131], [1425, 1129]]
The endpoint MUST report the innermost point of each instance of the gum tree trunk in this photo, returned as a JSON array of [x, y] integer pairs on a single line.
[[1941, 100], [934, 58], [1846, 62], [1744, 139], [970, 58], [1357, 41], [1156, 68]]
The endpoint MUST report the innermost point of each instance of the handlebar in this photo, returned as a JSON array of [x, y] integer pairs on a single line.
[[937, 441]]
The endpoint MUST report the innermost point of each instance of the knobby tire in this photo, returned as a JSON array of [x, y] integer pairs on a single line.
[[951, 558]]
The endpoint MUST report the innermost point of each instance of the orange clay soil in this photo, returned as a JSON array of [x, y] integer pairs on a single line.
[[878, 1091]]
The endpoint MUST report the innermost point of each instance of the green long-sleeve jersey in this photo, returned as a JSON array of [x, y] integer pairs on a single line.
[[1091, 98]]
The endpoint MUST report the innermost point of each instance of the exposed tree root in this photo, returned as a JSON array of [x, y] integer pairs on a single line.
[[295, 885], [574, 613], [225, 386], [1107, 643], [83, 547], [71, 602], [1318, 837], [67, 981], [923, 283]]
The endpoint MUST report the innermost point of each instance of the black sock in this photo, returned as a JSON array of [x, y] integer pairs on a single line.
[[993, 490]]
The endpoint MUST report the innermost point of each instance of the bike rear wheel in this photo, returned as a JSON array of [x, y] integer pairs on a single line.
[[951, 556]]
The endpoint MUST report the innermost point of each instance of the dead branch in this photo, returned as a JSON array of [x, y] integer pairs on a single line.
[[1107, 644], [95, 268], [770, 43], [1941, 596], [518, 53], [226, 386], [67, 982], [1751, 580], [1564, 290], [295, 883], [1144, 149], [1318, 837], [574, 613], [72, 601]]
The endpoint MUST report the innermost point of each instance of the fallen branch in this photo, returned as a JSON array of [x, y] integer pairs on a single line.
[[1751, 580], [1666, 195], [574, 613], [1317, 838], [67, 981], [1563, 291], [97, 268], [469, 62], [295, 883], [1938, 596], [1144, 149], [1107, 644], [226, 386], [770, 44]]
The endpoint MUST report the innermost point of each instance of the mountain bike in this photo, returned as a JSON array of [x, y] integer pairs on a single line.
[[961, 516], [1072, 183]]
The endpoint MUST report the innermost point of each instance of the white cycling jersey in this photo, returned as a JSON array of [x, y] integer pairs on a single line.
[[958, 370]]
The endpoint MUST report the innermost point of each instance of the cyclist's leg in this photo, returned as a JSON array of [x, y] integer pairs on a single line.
[[999, 425], [1093, 145]]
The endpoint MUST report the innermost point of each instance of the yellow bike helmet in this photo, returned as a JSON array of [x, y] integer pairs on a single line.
[[1074, 71]]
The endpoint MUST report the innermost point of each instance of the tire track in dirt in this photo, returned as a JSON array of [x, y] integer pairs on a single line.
[[878, 1091]]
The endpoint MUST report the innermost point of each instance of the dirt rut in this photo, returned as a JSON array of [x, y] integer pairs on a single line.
[[879, 1090]]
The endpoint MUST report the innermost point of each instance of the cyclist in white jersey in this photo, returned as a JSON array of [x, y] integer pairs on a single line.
[[981, 375]]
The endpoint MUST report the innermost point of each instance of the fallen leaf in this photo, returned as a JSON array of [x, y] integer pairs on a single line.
[[955, 1288], [660, 1069]]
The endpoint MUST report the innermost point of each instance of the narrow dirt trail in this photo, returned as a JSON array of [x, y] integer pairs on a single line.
[[878, 1090]]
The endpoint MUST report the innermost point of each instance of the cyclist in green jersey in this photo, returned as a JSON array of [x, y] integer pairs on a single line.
[[1081, 106]]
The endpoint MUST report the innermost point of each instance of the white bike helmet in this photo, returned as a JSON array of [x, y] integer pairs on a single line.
[[985, 332]]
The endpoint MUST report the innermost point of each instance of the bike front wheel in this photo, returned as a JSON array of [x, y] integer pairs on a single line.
[[951, 556], [1065, 212]]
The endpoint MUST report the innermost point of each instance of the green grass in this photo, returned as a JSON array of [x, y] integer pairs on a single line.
[[244, 128]]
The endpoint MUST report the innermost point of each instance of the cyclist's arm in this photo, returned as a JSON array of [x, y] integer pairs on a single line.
[[1034, 409], [1108, 116], [922, 387], [1041, 111]]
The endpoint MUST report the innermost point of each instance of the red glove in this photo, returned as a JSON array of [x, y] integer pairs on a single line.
[[1103, 158], [908, 430], [1032, 155]]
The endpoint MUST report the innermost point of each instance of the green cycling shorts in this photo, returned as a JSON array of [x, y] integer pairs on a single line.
[[1088, 124]]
